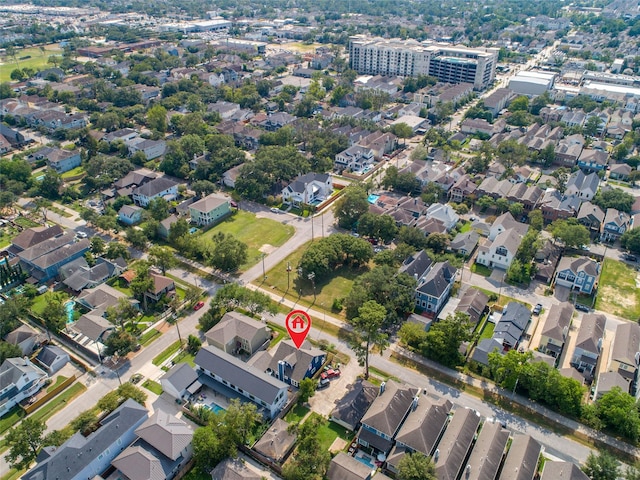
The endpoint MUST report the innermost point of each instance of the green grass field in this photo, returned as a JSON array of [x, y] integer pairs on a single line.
[[38, 61], [296, 414], [618, 292], [152, 386], [255, 232], [166, 353], [329, 431]]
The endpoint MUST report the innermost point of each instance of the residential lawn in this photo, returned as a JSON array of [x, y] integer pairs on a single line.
[[59, 380], [296, 414], [503, 300], [120, 285], [330, 431], [152, 386], [255, 232], [166, 353], [149, 336], [301, 47], [10, 419], [26, 222], [13, 474], [185, 357], [74, 172], [466, 226], [487, 331], [58, 403], [618, 292], [39, 303], [281, 333], [337, 285], [38, 61], [480, 269]]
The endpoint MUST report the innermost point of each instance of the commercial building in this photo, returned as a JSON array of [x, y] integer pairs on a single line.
[[531, 83], [449, 63]]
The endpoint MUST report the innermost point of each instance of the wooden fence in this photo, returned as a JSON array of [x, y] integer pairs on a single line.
[[49, 395]]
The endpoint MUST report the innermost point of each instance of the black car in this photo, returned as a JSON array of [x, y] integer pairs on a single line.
[[582, 308], [630, 258]]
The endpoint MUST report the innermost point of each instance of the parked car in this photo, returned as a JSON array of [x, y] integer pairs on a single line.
[[198, 305], [323, 383], [81, 234], [582, 308], [331, 373], [630, 258], [136, 378], [537, 309], [275, 210]]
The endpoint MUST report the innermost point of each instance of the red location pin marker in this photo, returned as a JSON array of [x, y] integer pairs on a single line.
[[298, 324]]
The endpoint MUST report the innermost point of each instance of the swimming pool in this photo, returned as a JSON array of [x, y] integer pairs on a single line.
[[365, 460], [372, 199], [193, 230], [214, 407], [68, 307]]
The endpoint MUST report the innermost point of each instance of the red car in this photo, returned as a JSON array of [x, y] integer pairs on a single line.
[[198, 305], [331, 373]]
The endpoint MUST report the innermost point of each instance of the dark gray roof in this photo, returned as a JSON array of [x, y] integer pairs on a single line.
[[456, 441], [579, 264], [74, 454], [466, 241], [487, 453], [627, 343], [389, 409], [416, 264], [20, 334], [484, 348], [513, 323], [591, 332], [562, 471], [32, 236], [233, 469], [345, 467], [46, 246], [49, 353], [299, 183], [93, 326], [85, 276], [180, 376], [558, 320], [582, 182], [248, 378], [154, 187], [351, 408], [276, 442], [60, 254], [436, 282], [167, 433], [297, 360], [473, 302], [522, 459]]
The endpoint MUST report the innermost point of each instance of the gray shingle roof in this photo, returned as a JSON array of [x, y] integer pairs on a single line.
[[487, 453], [562, 470], [208, 203], [154, 187], [248, 378], [455, 443], [351, 408], [93, 326], [233, 469], [473, 302], [626, 343], [389, 409], [591, 332], [437, 280], [558, 320], [345, 467], [276, 442], [297, 360], [180, 376], [32, 236], [49, 353], [521, 462], [232, 325]]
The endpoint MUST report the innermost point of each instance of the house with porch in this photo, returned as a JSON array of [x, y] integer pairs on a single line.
[[556, 329], [209, 210], [589, 342], [624, 354], [614, 225], [309, 189], [20, 379], [578, 273]]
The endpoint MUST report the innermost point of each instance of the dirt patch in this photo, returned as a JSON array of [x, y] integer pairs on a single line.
[[611, 295], [266, 248], [338, 445]]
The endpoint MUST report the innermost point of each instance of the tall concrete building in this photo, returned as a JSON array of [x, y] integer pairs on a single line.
[[405, 58]]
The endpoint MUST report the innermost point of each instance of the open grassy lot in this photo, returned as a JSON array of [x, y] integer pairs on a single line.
[[336, 286], [481, 270], [618, 291], [37, 60], [255, 232]]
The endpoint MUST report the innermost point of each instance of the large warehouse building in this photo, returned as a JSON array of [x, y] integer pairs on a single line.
[[532, 83], [448, 63]]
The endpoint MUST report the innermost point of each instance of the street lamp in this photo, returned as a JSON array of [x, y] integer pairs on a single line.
[[312, 277]]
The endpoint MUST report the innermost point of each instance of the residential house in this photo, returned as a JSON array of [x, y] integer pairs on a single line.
[[354, 404], [553, 470], [180, 382], [354, 158], [477, 125], [614, 225], [162, 286], [162, 449], [581, 185], [264, 390], [591, 216], [58, 159], [445, 213], [593, 160], [130, 214], [83, 457], [380, 143], [624, 354], [500, 252], [288, 363], [568, 150], [135, 178], [276, 121], [488, 452], [556, 206], [209, 210], [385, 416], [484, 348], [236, 332], [52, 358], [309, 189], [124, 135], [277, 442], [465, 243], [521, 462], [589, 342], [434, 288], [506, 222], [230, 176], [100, 297], [30, 237], [455, 444], [164, 228], [90, 331], [234, 469], [578, 273], [151, 149], [161, 187], [620, 171], [345, 467], [607, 381], [226, 110], [19, 379], [462, 189], [512, 325], [23, 337], [546, 259], [556, 329], [528, 195], [421, 431], [77, 275], [474, 304]]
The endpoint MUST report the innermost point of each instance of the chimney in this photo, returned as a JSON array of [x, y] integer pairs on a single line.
[[382, 385]]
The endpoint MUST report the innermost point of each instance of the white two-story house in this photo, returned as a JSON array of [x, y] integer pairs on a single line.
[[159, 188], [309, 189], [19, 379], [354, 158]]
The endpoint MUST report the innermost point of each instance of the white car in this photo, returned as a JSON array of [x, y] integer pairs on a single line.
[[275, 210], [81, 235]]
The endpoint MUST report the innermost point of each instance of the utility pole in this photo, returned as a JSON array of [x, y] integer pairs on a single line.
[[264, 273], [312, 277], [288, 275]]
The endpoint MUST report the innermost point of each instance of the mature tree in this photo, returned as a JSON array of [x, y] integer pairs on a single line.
[[516, 209], [24, 442], [162, 257], [351, 206], [506, 369], [603, 466], [562, 177], [412, 236], [412, 334], [309, 461], [157, 118], [511, 153], [9, 350], [141, 283], [380, 227], [49, 186], [86, 422], [631, 240], [54, 313], [614, 198], [203, 187], [367, 332], [570, 232], [12, 310], [536, 220], [119, 343], [416, 466], [97, 245], [619, 412], [193, 344], [208, 449], [402, 130], [442, 342], [158, 208], [177, 231], [592, 125], [136, 238], [437, 242], [228, 253], [307, 389], [121, 313], [116, 250], [633, 472]]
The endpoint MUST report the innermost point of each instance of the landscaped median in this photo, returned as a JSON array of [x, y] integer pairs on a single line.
[[163, 356]]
